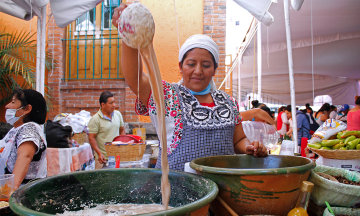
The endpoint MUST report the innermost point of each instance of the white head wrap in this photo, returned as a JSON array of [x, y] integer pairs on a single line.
[[200, 41]]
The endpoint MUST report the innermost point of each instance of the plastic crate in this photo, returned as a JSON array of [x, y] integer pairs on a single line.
[[143, 163]]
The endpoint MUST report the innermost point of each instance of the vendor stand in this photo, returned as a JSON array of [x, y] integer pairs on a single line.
[[64, 160], [339, 157]]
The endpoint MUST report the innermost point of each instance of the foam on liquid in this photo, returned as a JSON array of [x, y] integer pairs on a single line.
[[118, 210]]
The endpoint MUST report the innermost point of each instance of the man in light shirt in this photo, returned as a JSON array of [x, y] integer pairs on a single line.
[[104, 126]]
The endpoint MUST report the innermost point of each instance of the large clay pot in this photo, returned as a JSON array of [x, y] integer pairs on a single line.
[[255, 186], [190, 194]]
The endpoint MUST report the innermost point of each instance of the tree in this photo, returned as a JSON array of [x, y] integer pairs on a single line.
[[17, 62]]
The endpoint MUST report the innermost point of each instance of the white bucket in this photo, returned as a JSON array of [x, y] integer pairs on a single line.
[[154, 148]]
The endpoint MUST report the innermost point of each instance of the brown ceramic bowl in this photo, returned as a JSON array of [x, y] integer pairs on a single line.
[[255, 186]]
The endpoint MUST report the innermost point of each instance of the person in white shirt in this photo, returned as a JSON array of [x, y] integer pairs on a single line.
[[285, 122], [289, 133], [333, 113]]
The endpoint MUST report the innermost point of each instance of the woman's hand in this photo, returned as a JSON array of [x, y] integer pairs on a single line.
[[257, 149], [117, 13], [242, 144]]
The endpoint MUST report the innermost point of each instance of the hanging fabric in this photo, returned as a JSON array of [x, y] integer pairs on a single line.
[[66, 11], [259, 9]]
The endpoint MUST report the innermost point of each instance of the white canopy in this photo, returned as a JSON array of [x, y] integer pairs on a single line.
[[336, 39], [66, 11], [259, 9], [13, 9]]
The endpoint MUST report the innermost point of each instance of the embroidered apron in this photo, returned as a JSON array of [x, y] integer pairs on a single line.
[[8, 142], [5, 148], [208, 131]]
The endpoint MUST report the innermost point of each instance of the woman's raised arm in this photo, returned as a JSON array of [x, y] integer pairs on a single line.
[[132, 70]]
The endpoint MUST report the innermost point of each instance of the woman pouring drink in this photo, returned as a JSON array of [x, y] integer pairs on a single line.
[[200, 120]]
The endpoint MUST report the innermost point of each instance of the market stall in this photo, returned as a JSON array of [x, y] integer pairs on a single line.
[[65, 160], [232, 184], [325, 41]]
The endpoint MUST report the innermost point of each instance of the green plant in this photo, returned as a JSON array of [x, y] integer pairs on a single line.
[[17, 62]]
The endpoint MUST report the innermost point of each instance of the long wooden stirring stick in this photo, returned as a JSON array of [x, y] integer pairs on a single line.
[[223, 203]]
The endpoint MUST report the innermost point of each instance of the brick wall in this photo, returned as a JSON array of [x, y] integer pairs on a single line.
[[84, 95], [56, 48], [215, 27], [74, 96]]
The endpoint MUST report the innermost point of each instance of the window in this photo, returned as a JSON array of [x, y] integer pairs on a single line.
[[108, 11], [93, 47]]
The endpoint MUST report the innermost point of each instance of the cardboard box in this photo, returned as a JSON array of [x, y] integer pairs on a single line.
[[352, 165], [140, 132]]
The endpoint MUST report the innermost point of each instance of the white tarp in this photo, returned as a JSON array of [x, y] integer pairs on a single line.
[[296, 4], [336, 30], [22, 8], [259, 9], [9, 7], [66, 11], [26, 5]]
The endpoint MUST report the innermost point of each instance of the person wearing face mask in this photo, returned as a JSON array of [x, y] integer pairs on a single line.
[[200, 120], [23, 149]]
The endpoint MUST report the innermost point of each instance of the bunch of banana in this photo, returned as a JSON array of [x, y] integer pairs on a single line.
[[346, 140]]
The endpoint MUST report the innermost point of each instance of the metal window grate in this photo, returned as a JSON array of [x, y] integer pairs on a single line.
[[93, 46]]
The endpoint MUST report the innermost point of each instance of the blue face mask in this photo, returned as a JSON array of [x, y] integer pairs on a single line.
[[203, 92]]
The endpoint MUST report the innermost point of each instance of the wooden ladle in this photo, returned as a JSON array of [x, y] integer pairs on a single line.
[[324, 175]]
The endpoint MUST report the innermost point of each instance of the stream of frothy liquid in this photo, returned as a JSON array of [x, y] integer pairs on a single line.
[[149, 58]]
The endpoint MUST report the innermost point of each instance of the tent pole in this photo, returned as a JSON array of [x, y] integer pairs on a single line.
[[239, 82], [37, 73], [291, 73], [42, 55], [259, 60]]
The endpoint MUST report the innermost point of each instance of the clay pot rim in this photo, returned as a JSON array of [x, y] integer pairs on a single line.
[[248, 172], [212, 188], [334, 186]]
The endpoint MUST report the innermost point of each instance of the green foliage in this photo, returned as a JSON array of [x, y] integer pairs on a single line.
[[18, 59]]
